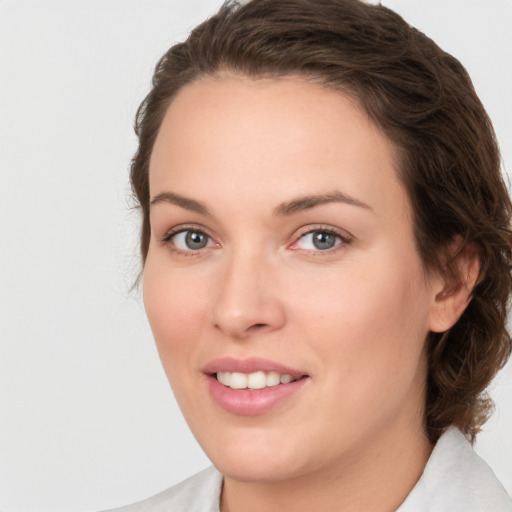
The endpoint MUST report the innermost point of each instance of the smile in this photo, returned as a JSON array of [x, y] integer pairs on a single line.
[[255, 380], [253, 386]]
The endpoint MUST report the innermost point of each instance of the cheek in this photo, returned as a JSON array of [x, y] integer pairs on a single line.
[[175, 312], [367, 300], [372, 322], [368, 333]]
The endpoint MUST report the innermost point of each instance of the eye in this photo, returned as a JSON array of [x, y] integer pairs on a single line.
[[189, 240], [320, 240]]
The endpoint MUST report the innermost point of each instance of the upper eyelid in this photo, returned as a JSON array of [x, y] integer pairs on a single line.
[[342, 233], [185, 227]]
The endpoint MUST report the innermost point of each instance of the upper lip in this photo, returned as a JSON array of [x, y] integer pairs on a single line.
[[250, 365]]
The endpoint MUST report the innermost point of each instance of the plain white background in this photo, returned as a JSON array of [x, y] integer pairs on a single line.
[[87, 420]]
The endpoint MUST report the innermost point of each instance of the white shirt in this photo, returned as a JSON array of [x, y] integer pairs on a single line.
[[455, 479]]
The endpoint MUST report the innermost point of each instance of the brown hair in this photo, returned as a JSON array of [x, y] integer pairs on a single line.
[[423, 100]]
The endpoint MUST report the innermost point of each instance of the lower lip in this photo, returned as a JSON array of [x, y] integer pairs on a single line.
[[250, 402]]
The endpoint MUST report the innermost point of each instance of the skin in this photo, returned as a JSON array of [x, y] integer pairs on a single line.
[[354, 318]]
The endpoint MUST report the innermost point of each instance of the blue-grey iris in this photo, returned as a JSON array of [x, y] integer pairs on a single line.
[[195, 240], [323, 240]]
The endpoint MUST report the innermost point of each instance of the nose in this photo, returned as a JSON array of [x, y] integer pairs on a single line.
[[248, 301]]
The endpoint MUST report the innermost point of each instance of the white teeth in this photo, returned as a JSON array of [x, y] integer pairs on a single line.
[[273, 379], [256, 380], [238, 380], [224, 378]]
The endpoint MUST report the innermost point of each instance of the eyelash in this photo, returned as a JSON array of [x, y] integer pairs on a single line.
[[345, 239], [167, 238]]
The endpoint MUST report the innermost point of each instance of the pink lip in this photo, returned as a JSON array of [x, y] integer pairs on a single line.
[[251, 402]]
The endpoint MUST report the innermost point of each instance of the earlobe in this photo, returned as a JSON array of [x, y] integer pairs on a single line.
[[456, 287]]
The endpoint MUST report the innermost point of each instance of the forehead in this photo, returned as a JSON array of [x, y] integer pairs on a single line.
[[273, 137]]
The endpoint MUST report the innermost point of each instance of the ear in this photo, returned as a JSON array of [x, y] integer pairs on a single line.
[[453, 289]]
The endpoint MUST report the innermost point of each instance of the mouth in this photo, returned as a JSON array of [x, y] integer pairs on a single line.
[[252, 386], [254, 380]]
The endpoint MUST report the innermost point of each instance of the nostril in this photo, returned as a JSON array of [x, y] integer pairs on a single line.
[[256, 327]]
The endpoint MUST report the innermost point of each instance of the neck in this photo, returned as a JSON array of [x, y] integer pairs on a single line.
[[376, 477]]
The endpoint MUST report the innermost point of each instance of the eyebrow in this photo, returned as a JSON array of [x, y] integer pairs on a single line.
[[181, 201], [284, 209], [308, 202]]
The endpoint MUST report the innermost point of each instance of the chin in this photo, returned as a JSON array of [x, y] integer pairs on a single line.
[[246, 470], [257, 456]]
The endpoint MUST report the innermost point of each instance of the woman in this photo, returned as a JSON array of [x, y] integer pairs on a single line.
[[326, 250]]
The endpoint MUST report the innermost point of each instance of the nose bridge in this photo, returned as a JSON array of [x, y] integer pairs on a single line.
[[247, 299]]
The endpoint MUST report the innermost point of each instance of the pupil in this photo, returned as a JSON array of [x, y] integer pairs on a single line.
[[195, 240], [323, 240]]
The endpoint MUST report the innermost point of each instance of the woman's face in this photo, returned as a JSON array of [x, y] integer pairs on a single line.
[[282, 249]]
